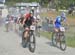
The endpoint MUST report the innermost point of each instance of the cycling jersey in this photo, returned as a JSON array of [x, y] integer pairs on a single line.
[[28, 21], [59, 19], [27, 15], [58, 22]]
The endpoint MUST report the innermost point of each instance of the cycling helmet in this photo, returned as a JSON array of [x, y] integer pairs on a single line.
[[32, 8], [63, 15], [31, 12]]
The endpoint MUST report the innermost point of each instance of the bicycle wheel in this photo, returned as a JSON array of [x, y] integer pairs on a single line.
[[24, 40], [54, 42], [62, 43], [32, 42]]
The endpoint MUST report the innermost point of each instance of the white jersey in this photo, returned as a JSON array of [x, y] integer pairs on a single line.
[[34, 17], [38, 16]]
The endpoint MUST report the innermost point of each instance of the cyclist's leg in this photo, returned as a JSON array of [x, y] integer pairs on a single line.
[[26, 31], [57, 30]]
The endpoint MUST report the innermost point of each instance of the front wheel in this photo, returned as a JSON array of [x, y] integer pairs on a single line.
[[24, 40], [32, 42], [62, 43]]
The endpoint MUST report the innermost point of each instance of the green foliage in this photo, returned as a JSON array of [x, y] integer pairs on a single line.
[[62, 4], [12, 2], [22, 0]]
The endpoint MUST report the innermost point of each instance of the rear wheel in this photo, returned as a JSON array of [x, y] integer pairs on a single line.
[[32, 42]]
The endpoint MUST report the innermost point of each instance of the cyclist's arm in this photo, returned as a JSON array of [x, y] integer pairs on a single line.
[[33, 21], [19, 21], [65, 22], [24, 20]]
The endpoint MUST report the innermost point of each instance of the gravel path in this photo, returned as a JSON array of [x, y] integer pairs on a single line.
[[10, 44]]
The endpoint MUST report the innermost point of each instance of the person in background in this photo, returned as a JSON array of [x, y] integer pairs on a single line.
[[7, 23], [11, 22]]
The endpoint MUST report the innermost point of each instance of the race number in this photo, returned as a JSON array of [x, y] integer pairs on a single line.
[[32, 27], [62, 29]]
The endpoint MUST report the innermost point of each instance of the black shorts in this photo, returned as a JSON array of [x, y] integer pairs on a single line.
[[26, 25]]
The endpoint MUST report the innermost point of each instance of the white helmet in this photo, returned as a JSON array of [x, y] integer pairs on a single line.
[[63, 14], [32, 7]]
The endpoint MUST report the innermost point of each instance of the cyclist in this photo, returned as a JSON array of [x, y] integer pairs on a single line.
[[7, 23], [20, 20], [28, 20], [11, 22], [32, 10], [38, 21], [59, 20], [38, 25]]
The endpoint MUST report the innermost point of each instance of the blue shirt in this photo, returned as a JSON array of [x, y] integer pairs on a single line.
[[58, 20]]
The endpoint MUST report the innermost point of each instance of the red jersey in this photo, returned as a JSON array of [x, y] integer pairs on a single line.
[[27, 15]]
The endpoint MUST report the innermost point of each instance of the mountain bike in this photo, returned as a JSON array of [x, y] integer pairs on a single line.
[[59, 37], [30, 39]]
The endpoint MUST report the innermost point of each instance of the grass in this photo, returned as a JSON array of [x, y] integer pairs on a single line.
[[46, 34], [70, 34], [69, 40], [70, 37]]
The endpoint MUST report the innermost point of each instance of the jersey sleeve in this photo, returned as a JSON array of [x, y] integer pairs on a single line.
[[65, 19]]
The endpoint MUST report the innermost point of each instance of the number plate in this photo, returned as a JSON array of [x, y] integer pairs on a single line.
[[62, 29], [32, 27]]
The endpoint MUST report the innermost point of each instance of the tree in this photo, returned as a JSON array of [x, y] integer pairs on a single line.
[[54, 3]]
